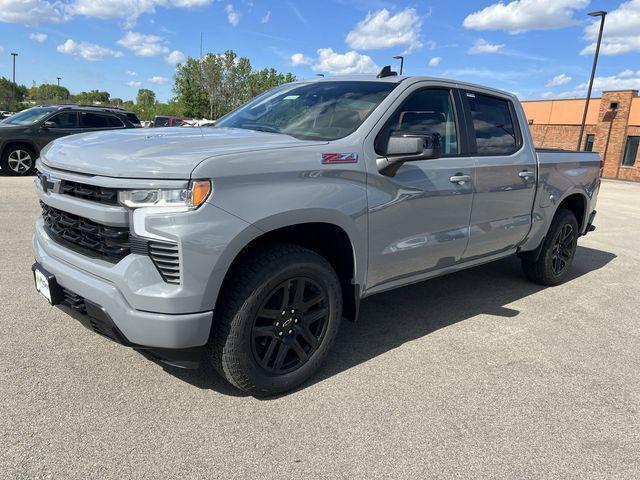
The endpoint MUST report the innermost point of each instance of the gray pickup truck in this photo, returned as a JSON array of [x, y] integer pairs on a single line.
[[244, 245]]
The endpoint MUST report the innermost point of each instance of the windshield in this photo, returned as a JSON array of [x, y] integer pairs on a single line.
[[28, 117], [312, 111]]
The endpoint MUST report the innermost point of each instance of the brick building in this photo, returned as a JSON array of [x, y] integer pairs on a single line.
[[612, 128]]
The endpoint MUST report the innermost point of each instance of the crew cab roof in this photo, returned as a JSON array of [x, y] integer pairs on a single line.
[[406, 79]]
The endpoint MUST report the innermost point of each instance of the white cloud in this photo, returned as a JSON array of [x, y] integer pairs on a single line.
[[625, 80], [232, 15], [383, 30], [86, 50], [522, 15], [131, 73], [30, 12], [621, 31], [435, 61], [134, 83], [344, 63], [158, 80], [38, 37], [628, 73], [144, 45], [127, 10], [300, 59], [482, 46], [35, 12], [175, 58], [266, 18], [1, 49], [559, 80]]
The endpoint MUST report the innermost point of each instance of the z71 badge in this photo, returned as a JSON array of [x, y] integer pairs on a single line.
[[328, 158]]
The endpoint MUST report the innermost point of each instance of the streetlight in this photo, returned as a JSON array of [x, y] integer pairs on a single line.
[[59, 78], [14, 55], [600, 14], [401, 58]]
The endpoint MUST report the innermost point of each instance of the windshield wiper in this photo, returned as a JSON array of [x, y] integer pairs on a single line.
[[261, 127]]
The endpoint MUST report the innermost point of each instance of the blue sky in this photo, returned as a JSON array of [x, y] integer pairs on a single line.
[[536, 48]]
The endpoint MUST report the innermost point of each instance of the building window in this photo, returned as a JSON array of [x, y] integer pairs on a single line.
[[588, 144], [630, 152]]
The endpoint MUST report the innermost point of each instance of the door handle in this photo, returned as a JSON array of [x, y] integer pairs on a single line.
[[525, 174], [460, 179]]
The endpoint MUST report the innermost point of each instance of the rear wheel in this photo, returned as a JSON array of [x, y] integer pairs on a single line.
[[559, 247], [278, 316], [18, 160]]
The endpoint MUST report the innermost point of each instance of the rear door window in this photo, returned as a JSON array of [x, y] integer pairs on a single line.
[[97, 120], [493, 124]]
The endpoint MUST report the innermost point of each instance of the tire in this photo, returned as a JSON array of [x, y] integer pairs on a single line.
[[254, 322], [18, 160], [559, 247]]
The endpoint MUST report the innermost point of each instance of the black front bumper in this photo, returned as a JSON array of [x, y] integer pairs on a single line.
[[95, 318]]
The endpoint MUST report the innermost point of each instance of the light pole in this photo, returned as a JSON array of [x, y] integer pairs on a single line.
[[14, 55], [401, 58], [600, 14], [59, 78]]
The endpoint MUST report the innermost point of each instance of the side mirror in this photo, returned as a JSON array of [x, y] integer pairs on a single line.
[[407, 147], [47, 125]]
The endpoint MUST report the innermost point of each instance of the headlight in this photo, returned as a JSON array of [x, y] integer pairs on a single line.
[[191, 197]]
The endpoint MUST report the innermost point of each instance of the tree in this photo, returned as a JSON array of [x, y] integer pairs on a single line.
[[47, 92], [11, 95], [145, 103], [215, 84], [93, 97], [189, 92]]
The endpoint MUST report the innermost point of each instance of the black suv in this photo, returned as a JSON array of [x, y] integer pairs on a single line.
[[24, 134]]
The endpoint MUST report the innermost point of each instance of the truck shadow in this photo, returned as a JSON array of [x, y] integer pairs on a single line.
[[390, 319]]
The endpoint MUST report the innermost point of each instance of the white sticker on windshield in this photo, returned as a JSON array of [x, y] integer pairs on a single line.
[[291, 97]]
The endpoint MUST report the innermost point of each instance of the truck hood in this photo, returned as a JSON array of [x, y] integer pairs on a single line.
[[169, 153]]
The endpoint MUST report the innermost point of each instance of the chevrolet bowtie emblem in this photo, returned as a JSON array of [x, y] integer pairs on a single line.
[[48, 183]]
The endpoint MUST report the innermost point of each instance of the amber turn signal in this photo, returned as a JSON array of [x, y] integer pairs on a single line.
[[200, 190]]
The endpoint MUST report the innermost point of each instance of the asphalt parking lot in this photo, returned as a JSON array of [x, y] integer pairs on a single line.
[[479, 374]]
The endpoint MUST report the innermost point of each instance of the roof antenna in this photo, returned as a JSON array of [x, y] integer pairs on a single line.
[[387, 72]]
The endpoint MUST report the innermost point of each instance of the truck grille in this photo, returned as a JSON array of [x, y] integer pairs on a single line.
[[92, 193], [166, 258], [86, 236]]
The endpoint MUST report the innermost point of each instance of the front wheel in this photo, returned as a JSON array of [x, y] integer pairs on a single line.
[[276, 319], [559, 247], [18, 160]]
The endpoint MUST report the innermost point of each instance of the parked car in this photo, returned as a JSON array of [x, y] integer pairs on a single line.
[[170, 121], [25, 134], [4, 114], [244, 245]]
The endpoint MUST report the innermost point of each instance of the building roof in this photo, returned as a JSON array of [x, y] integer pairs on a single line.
[[569, 111]]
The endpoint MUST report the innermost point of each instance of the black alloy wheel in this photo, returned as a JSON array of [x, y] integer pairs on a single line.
[[277, 316], [290, 325], [553, 262], [563, 248]]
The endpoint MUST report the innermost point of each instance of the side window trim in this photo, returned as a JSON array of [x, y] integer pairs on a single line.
[[464, 93], [456, 115]]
